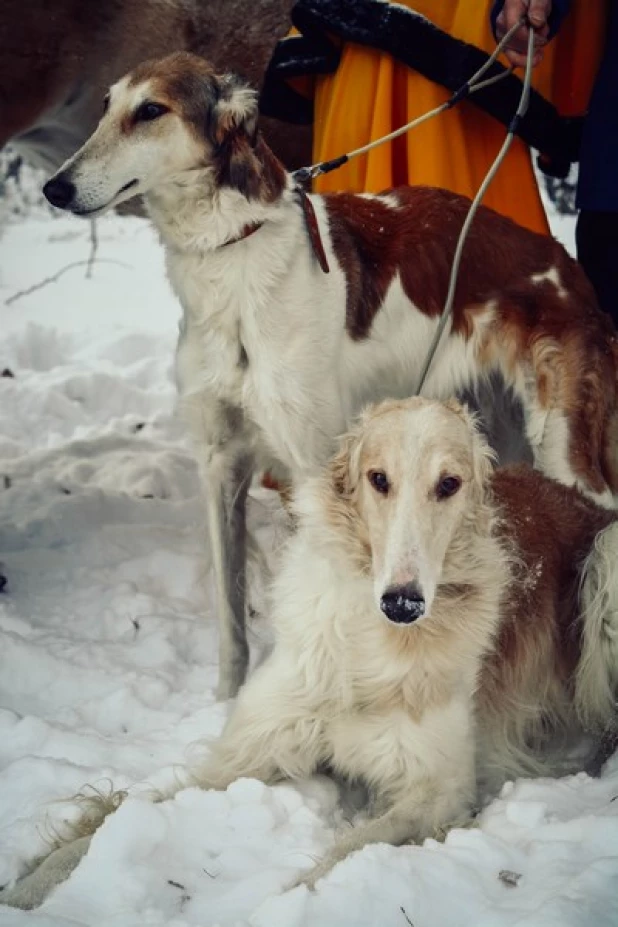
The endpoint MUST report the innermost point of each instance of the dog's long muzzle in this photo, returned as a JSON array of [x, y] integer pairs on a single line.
[[403, 604]]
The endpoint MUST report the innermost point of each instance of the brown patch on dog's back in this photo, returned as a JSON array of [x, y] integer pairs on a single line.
[[374, 240], [368, 251]]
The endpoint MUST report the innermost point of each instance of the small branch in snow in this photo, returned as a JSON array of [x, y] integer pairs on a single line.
[[94, 244], [55, 277], [403, 911], [508, 877]]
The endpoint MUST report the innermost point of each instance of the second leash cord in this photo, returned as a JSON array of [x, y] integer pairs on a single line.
[[491, 173]]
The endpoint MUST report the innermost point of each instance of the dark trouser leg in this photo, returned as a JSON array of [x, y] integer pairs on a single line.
[[597, 252]]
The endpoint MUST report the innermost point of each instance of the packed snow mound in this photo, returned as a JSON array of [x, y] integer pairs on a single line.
[[108, 653]]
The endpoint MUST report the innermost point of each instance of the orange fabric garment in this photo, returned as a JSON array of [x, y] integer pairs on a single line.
[[371, 94]]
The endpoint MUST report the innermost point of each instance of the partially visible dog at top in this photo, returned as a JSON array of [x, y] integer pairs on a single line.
[[439, 627], [55, 69], [277, 355]]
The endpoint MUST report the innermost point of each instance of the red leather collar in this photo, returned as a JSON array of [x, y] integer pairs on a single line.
[[246, 230], [312, 228]]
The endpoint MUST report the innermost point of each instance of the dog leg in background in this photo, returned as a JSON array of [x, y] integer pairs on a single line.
[[226, 483], [566, 417], [553, 457], [221, 443]]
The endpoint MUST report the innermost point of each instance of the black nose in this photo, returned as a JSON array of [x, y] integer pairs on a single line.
[[403, 604], [59, 192]]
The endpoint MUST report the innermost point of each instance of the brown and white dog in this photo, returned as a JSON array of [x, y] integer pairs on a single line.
[[439, 627], [277, 356]]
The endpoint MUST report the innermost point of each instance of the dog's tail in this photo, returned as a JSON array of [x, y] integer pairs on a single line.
[[596, 683], [49, 871], [33, 889]]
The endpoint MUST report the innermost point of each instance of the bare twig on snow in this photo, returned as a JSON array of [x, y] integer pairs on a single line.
[[55, 277]]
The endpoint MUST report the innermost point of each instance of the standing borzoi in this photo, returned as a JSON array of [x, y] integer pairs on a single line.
[[436, 624], [276, 356]]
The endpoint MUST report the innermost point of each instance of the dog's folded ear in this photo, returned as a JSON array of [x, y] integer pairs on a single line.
[[244, 161], [484, 457], [236, 110], [343, 469], [483, 463]]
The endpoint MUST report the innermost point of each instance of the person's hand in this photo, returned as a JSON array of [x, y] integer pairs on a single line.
[[538, 13]]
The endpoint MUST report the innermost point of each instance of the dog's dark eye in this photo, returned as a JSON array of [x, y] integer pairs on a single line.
[[106, 103], [379, 481], [448, 486], [149, 111]]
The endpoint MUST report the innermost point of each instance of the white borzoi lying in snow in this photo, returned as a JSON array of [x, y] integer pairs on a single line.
[[437, 624], [276, 356]]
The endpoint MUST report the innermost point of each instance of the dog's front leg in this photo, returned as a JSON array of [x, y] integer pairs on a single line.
[[226, 478], [425, 809], [397, 826], [273, 732], [222, 445]]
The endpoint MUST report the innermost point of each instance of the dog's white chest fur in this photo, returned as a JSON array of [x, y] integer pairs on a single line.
[[249, 316], [211, 357]]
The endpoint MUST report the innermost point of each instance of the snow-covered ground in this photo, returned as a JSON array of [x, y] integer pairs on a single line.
[[108, 653]]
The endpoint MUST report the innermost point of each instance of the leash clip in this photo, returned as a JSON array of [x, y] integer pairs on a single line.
[[303, 175]]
